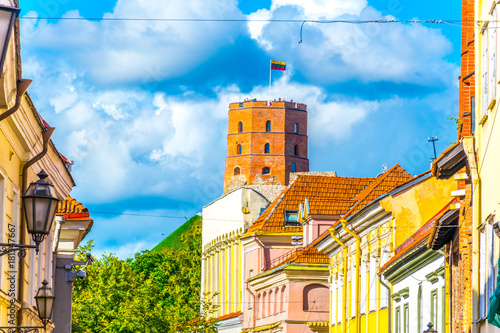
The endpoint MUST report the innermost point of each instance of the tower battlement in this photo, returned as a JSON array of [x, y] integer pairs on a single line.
[[267, 140]]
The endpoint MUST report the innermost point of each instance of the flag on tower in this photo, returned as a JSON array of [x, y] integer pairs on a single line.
[[278, 65]]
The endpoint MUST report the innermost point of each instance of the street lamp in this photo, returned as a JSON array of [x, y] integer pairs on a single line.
[[430, 329], [39, 205], [8, 16], [44, 303]]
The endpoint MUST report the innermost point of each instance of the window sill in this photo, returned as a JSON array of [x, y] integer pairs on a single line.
[[492, 104], [483, 119]]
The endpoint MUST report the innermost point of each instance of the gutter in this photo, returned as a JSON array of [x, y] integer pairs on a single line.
[[389, 303], [60, 220], [358, 279], [21, 88], [253, 305], [343, 324], [22, 239]]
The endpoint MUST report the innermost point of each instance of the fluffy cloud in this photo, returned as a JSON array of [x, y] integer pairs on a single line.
[[126, 51], [332, 53]]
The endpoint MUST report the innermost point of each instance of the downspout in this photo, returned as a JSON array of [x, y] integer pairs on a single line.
[[22, 239], [22, 86], [389, 303], [358, 279], [262, 254], [253, 305], [343, 324]]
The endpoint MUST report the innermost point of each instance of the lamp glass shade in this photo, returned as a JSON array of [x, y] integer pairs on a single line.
[[8, 16], [45, 302], [40, 205]]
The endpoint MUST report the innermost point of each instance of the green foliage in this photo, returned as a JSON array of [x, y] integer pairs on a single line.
[[157, 291], [172, 241]]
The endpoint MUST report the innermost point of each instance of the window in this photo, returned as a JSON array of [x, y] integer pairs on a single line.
[[291, 217], [384, 293], [240, 127], [373, 284], [237, 171], [238, 149], [296, 128], [363, 277], [296, 150], [434, 308], [398, 320], [406, 318], [266, 171], [315, 297], [266, 148], [293, 167], [492, 47], [473, 113], [419, 308], [268, 126]]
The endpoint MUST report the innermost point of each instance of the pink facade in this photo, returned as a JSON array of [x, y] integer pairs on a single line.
[[315, 227]]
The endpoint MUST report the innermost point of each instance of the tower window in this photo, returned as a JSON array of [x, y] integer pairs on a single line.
[[296, 150], [240, 127], [266, 148], [239, 149], [296, 128], [266, 171], [293, 167], [237, 171], [268, 126], [291, 217]]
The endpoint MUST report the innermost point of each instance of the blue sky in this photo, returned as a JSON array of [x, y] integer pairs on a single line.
[[141, 107]]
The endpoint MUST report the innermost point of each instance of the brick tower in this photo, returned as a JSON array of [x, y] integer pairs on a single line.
[[266, 141]]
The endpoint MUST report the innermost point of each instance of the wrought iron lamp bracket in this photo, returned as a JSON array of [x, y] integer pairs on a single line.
[[21, 329], [6, 248]]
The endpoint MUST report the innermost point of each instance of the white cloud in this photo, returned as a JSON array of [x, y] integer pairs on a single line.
[[332, 53], [125, 51]]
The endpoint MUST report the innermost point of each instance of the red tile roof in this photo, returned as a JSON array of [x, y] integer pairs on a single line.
[[418, 237], [70, 208], [326, 194], [230, 315], [384, 183]]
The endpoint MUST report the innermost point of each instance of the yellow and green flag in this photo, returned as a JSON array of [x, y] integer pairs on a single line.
[[278, 65]]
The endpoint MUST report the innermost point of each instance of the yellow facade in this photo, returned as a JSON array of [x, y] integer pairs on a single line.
[[222, 259], [396, 217]]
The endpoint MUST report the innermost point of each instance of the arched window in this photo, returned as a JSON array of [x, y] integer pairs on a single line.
[[293, 167], [268, 126], [296, 150], [282, 299], [239, 149], [237, 171], [271, 302], [296, 128], [266, 148], [240, 127], [276, 300], [266, 171], [316, 297], [258, 307], [264, 303]]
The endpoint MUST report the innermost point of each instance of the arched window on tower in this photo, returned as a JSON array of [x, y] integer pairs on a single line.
[[266, 148], [239, 149], [296, 128], [296, 150], [237, 171], [268, 126], [240, 127], [293, 167], [266, 171]]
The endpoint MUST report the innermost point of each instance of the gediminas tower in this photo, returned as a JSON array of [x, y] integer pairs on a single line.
[[266, 141]]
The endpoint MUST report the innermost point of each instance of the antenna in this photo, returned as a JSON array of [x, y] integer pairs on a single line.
[[433, 140]]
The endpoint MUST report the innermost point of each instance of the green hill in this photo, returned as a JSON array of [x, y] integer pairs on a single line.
[[172, 241]]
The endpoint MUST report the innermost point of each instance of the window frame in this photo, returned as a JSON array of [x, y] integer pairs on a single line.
[[267, 148], [240, 127], [264, 170], [288, 212], [268, 126]]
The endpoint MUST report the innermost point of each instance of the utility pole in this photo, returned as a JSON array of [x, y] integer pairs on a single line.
[[433, 140]]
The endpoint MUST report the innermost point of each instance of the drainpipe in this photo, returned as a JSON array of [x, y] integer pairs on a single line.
[[358, 279], [60, 220], [389, 302], [22, 86], [22, 239], [262, 257], [343, 324], [253, 305]]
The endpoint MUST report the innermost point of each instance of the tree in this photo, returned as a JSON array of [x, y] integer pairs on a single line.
[[157, 291]]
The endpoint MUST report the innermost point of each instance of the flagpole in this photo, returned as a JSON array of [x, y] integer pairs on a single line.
[[270, 79]]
